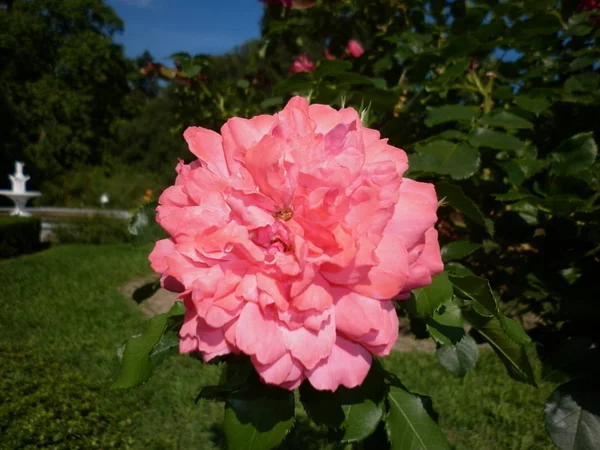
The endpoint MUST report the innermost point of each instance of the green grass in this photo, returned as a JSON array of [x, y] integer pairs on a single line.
[[62, 317]]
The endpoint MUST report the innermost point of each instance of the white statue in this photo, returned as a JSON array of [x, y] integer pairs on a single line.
[[18, 193], [18, 179]]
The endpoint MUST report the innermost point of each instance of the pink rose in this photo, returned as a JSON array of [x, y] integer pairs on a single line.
[[329, 55], [302, 64], [354, 48], [290, 235]]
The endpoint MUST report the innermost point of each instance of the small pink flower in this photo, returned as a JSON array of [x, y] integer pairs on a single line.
[[289, 236], [354, 48], [328, 55], [301, 63], [588, 5]]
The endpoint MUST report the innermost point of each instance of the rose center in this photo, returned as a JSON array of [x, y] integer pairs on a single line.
[[285, 214]]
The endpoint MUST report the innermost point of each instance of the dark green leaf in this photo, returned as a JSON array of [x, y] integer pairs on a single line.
[[458, 249], [459, 160], [409, 425], [582, 62], [484, 137], [446, 324], [461, 358], [573, 415], [297, 83], [258, 417], [328, 68], [457, 269], [455, 196], [515, 330], [137, 364], [238, 371], [575, 154], [587, 82], [513, 356], [356, 411], [270, 102], [451, 113], [504, 119], [426, 300], [536, 105], [478, 290], [242, 84]]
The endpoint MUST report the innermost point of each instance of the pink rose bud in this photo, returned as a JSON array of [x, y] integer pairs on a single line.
[[289, 237], [302, 64], [328, 55], [354, 48]]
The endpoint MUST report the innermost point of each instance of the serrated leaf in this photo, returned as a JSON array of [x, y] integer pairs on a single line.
[[409, 425], [238, 371], [458, 250], [575, 154], [258, 417], [515, 330], [457, 159], [478, 290], [513, 356], [572, 415], [484, 137], [426, 300], [356, 411], [507, 120], [137, 362], [458, 269], [461, 358], [455, 196], [451, 113], [535, 105]]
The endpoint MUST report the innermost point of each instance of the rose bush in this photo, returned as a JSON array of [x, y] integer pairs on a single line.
[[289, 238]]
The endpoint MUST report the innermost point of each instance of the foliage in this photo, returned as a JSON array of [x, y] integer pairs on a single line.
[[84, 317], [19, 235], [91, 230]]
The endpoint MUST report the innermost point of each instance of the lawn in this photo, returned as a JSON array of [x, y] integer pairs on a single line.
[[62, 317]]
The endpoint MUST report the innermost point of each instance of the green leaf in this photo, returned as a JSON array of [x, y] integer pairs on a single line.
[[238, 371], [484, 137], [426, 300], [242, 84], [458, 250], [356, 411], [455, 196], [575, 154], [270, 102], [409, 425], [573, 415], [328, 67], [297, 83], [587, 82], [461, 358], [454, 268], [518, 170], [515, 330], [535, 105], [582, 62], [478, 290], [504, 119], [446, 324], [144, 351], [451, 113], [513, 356], [459, 160], [258, 417]]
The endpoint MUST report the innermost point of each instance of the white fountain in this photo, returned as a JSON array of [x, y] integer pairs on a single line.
[[18, 193]]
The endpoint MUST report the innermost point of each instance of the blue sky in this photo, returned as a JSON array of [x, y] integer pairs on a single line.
[[195, 26]]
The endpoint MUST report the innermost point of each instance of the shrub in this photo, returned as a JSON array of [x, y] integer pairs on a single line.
[[44, 404], [19, 235], [92, 230]]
